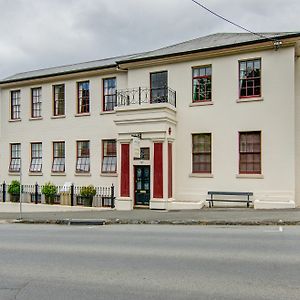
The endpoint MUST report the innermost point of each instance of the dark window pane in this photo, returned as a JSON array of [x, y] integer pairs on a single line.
[[250, 78]]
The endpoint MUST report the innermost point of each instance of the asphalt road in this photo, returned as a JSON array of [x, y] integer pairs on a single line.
[[148, 262]]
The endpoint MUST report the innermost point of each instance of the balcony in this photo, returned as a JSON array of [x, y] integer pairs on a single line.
[[140, 96], [149, 111]]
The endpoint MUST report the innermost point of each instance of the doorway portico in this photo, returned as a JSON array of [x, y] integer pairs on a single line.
[[146, 181]]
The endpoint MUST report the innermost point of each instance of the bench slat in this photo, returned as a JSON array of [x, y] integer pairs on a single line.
[[228, 200], [231, 193]]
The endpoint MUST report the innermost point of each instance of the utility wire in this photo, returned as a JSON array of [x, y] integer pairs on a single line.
[[277, 43]]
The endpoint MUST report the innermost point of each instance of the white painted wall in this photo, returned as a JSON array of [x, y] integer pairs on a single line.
[[274, 116], [297, 131], [94, 127]]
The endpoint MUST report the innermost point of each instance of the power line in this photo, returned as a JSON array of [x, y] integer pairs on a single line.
[[276, 42]]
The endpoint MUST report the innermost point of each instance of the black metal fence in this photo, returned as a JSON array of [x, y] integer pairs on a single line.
[[142, 95], [104, 196]]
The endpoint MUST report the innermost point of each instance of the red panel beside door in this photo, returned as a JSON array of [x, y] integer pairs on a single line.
[[125, 192], [170, 171], [158, 171]]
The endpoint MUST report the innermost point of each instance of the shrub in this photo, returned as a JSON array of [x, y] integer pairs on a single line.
[[88, 191], [14, 188], [50, 191]]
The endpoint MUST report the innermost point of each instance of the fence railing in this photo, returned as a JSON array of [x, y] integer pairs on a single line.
[[67, 195], [142, 95]]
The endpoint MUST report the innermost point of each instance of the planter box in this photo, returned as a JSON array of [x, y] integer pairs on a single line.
[[14, 197], [87, 201]]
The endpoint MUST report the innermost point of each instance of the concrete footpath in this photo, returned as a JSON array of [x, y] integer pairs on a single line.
[[56, 214]]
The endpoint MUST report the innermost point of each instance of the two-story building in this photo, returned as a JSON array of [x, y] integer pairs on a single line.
[[220, 112]]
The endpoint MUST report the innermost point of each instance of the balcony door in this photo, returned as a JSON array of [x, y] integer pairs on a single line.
[[159, 87]]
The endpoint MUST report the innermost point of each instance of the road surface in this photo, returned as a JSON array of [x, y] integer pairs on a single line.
[[148, 262]]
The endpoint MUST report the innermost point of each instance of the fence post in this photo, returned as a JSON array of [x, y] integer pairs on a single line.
[[112, 195], [175, 98], [4, 191], [140, 95], [36, 193], [72, 194]]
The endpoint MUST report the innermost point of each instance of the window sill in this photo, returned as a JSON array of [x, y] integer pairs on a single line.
[[35, 173], [14, 120], [14, 173], [202, 175], [254, 99], [107, 112], [109, 174], [35, 119], [203, 103], [83, 174], [58, 117], [58, 174], [250, 176], [82, 115]]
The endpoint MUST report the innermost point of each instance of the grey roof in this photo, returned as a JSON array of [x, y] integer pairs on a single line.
[[218, 40], [213, 41], [80, 67]]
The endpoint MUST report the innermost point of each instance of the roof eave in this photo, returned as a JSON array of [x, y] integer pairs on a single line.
[[57, 74]]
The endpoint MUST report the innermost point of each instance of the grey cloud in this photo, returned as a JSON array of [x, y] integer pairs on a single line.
[[38, 34]]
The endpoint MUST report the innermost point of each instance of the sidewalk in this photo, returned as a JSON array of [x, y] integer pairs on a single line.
[[56, 214]]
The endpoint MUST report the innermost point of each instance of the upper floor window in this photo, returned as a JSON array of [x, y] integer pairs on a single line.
[[59, 100], [250, 152], [15, 105], [83, 103], [201, 157], [109, 159], [83, 157], [36, 157], [36, 102], [58, 164], [109, 94], [250, 78], [202, 84], [15, 158], [159, 87]]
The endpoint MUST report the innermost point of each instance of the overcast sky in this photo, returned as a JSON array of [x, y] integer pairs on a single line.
[[36, 34]]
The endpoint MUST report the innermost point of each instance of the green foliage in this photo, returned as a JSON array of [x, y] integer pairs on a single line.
[[14, 188], [88, 191], [49, 190]]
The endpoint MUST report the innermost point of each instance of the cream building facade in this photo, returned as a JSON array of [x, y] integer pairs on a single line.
[[218, 113]]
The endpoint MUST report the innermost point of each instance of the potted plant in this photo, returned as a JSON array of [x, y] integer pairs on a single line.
[[50, 191], [87, 193], [14, 191]]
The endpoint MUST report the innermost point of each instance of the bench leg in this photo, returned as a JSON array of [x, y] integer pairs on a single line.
[[248, 201]]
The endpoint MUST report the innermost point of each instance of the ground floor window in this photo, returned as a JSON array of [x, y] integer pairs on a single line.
[[201, 156], [109, 157], [36, 157], [83, 157], [58, 164], [250, 152], [15, 158]]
